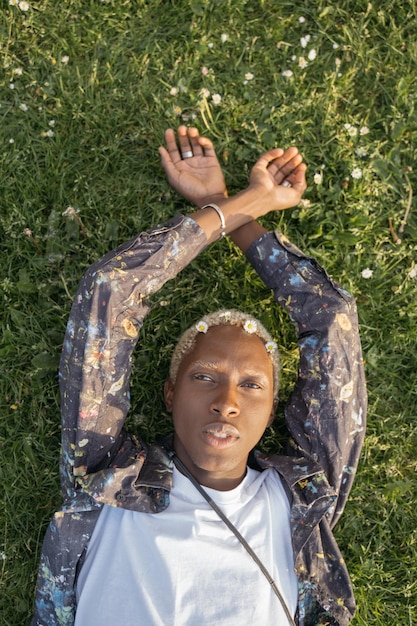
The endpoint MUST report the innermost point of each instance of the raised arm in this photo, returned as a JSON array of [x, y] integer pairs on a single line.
[[102, 332], [326, 412]]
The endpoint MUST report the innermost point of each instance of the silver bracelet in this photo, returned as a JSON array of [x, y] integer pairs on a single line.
[[221, 217]]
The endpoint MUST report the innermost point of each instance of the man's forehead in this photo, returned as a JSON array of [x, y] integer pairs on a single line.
[[227, 333], [228, 342]]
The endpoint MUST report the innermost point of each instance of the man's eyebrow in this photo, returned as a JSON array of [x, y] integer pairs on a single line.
[[216, 365], [211, 365]]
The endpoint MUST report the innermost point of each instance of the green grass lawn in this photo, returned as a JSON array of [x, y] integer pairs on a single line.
[[86, 91]]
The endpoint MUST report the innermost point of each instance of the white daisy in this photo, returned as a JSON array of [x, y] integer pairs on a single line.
[[202, 326], [250, 326]]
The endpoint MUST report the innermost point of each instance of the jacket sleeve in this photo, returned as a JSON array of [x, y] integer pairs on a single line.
[[326, 411], [102, 332]]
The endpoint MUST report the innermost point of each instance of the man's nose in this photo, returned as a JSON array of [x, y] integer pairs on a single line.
[[226, 402]]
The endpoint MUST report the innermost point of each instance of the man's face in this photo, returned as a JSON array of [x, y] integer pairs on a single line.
[[221, 403]]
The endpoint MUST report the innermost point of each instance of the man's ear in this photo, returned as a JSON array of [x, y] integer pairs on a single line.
[[274, 408], [168, 394]]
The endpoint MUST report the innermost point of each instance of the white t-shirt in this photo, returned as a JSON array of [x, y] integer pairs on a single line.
[[184, 567]]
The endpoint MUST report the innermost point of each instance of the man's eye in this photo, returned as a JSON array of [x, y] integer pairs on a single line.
[[202, 377], [252, 385]]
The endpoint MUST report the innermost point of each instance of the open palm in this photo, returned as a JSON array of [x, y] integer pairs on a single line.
[[198, 177]]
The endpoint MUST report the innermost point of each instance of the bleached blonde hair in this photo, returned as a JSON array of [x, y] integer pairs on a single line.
[[232, 318]]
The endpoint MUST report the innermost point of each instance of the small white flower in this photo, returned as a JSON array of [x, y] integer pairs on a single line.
[[49, 133], [65, 59], [250, 326], [226, 315], [24, 6], [216, 97], [202, 327], [356, 173], [361, 152], [367, 273], [249, 76], [301, 19], [204, 92], [210, 45], [335, 46], [294, 57], [312, 54], [11, 85], [304, 203], [271, 346], [51, 123], [304, 41], [11, 140], [352, 131], [23, 107], [318, 178], [302, 62], [413, 272], [364, 130], [3, 556], [287, 73], [224, 37], [13, 3], [17, 71], [338, 62], [347, 126], [173, 91]]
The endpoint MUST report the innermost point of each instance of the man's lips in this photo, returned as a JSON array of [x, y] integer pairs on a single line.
[[220, 435]]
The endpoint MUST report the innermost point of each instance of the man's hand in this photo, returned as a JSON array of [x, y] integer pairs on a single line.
[[280, 174], [278, 180], [192, 168]]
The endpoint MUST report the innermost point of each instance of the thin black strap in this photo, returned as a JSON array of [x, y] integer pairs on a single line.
[[235, 531]]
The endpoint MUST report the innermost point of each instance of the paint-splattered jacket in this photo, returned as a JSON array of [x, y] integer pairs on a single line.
[[101, 464]]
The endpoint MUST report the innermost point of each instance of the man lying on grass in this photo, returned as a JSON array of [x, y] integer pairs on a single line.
[[202, 529]]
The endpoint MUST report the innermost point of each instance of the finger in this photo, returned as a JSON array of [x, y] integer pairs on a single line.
[[171, 145], [268, 157], [297, 178], [208, 147], [167, 163], [289, 159], [194, 137], [184, 142], [286, 169]]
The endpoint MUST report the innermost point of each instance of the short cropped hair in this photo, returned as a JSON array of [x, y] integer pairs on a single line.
[[232, 318]]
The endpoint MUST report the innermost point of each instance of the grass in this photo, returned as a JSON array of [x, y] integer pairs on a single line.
[[86, 91]]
